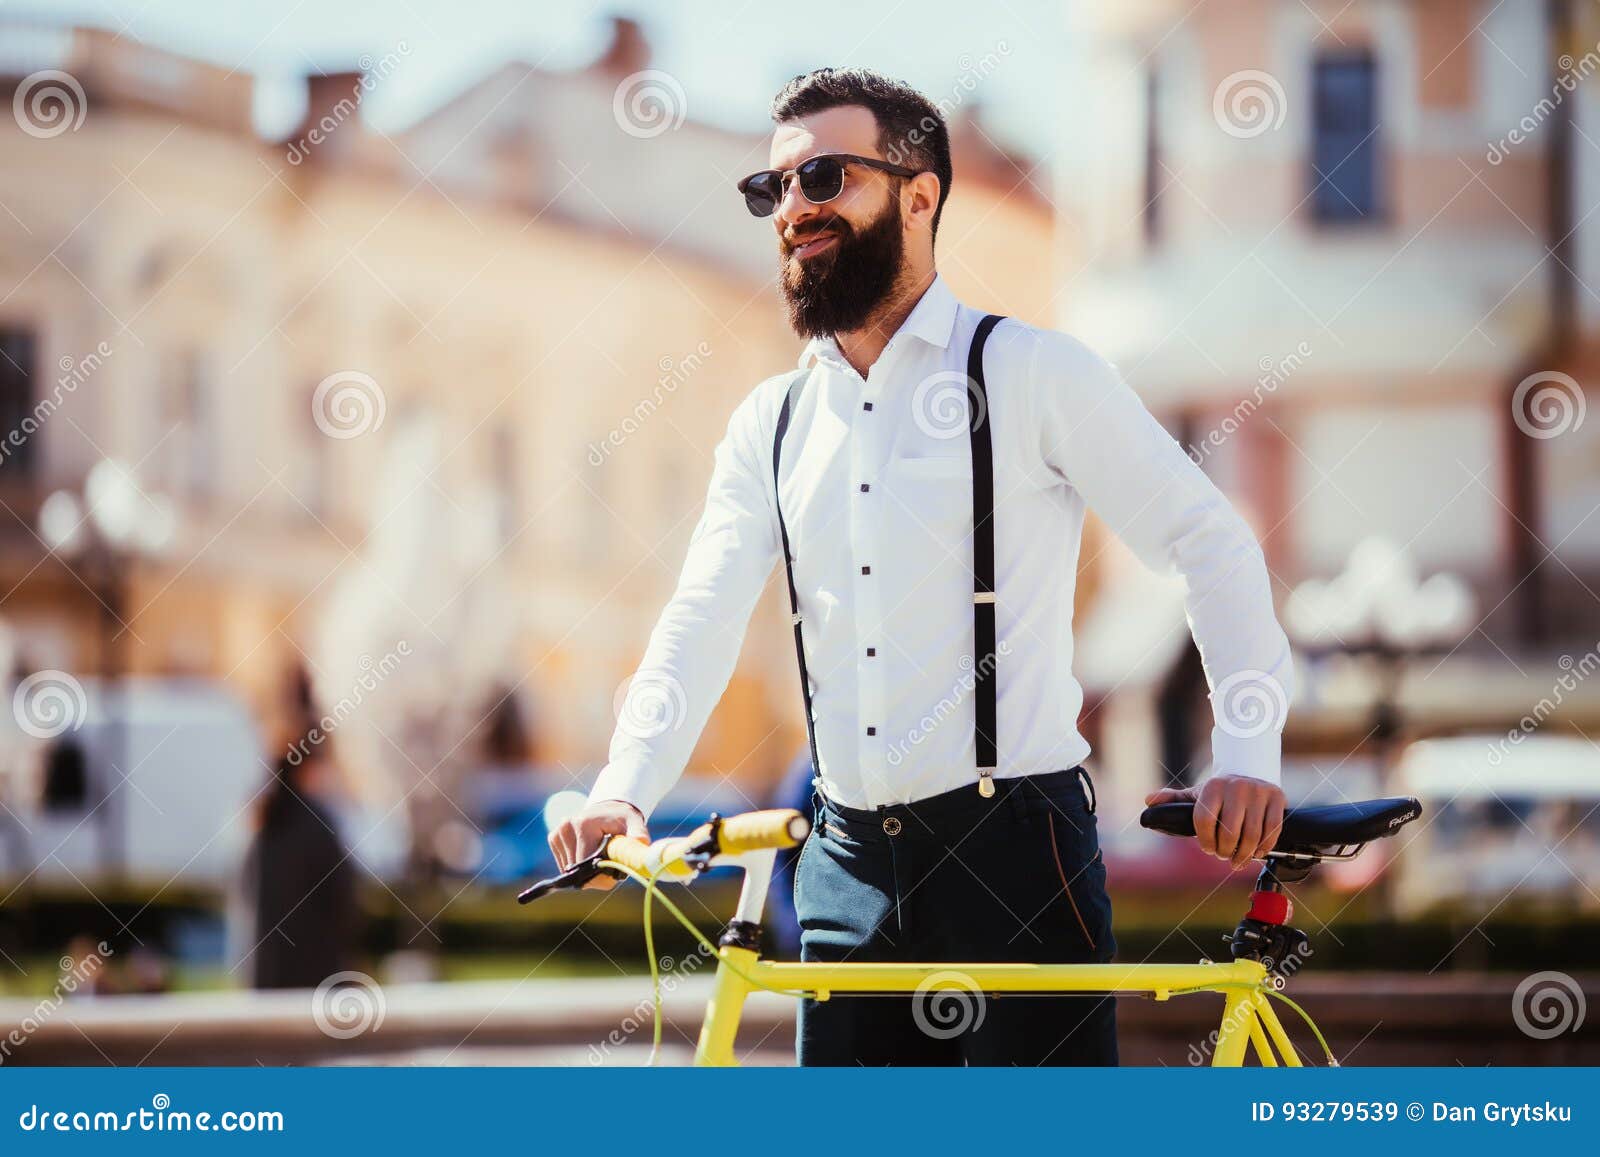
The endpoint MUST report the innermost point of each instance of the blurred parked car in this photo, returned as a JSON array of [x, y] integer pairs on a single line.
[[154, 790], [1503, 823]]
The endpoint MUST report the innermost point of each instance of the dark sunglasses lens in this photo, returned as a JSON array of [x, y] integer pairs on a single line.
[[762, 192], [821, 179]]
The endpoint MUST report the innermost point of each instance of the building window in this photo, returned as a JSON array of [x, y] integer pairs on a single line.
[[317, 481], [16, 403], [507, 483], [1154, 177], [1344, 150], [187, 427]]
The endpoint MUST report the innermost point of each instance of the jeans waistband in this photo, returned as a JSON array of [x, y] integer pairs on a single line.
[[1071, 787]]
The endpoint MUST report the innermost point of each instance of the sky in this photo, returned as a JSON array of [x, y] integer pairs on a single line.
[[729, 55]]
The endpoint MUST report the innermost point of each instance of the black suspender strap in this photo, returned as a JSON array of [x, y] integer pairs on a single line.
[[983, 592], [788, 563], [983, 587]]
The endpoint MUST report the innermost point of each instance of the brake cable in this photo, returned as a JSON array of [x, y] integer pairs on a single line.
[[1268, 990], [652, 889]]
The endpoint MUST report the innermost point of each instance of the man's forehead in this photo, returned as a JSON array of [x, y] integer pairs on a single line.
[[848, 129]]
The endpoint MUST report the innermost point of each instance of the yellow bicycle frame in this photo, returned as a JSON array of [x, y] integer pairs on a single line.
[[1248, 1020]]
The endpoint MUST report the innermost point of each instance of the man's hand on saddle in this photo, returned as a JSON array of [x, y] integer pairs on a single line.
[[1236, 817], [578, 837]]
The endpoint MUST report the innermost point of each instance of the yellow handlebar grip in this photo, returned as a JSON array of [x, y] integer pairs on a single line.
[[749, 832], [629, 852], [636, 854], [753, 831]]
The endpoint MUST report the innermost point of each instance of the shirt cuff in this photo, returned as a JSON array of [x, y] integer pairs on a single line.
[[1256, 756], [630, 781]]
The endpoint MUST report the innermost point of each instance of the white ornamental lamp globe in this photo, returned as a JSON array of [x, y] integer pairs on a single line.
[[61, 521], [114, 502]]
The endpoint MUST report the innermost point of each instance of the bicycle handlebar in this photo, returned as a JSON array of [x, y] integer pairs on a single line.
[[685, 855], [749, 832], [754, 831]]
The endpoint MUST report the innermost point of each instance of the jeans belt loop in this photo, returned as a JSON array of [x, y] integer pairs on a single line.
[[1088, 788]]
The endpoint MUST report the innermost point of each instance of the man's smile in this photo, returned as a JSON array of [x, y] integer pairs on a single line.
[[814, 245]]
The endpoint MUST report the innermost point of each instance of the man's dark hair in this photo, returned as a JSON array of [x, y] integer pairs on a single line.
[[911, 130]]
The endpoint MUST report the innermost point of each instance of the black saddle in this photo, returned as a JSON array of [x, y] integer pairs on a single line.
[[1307, 829]]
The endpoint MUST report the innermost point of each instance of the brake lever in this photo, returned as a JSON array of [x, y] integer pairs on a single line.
[[574, 877]]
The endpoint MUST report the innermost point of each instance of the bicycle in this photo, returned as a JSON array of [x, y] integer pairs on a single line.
[[1263, 946]]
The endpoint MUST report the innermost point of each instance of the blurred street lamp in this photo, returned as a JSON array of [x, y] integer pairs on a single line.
[[102, 534], [1378, 607]]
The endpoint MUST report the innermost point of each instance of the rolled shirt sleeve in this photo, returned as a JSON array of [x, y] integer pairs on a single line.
[[1097, 435], [696, 641]]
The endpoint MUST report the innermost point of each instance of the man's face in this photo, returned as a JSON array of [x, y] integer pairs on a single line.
[[840, 259]]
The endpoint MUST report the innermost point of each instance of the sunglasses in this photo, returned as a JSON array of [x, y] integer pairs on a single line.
[[821, 179]]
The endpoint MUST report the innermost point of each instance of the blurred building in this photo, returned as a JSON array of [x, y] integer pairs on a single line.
[[1329, 243], [539, 306]]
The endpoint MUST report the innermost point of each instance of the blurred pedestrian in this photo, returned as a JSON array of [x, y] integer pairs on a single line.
[[300, 877]]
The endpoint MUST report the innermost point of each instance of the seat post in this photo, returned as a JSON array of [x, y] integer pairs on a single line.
[[1264, 934]]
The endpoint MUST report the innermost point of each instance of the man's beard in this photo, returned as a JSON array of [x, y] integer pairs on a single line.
[[838, 290]]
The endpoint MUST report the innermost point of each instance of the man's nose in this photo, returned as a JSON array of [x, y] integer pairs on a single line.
[[793, 207]]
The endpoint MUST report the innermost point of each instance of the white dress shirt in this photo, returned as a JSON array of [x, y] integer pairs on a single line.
[[877, 497]]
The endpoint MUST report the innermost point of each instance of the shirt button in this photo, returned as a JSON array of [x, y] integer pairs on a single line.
[[866, 405], [871, 651], [866, 570], [872, 731], [891, 825], [865, 486]]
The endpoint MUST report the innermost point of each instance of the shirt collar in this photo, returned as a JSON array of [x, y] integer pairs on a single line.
[[932, 319]]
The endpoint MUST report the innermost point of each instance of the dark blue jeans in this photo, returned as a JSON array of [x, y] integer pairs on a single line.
[[956, 877]]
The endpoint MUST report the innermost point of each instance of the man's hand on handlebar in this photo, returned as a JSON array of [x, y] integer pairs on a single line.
[[1236, 817], [577, 838]]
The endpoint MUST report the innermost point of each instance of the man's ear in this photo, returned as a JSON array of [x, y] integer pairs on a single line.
[[921, 199]]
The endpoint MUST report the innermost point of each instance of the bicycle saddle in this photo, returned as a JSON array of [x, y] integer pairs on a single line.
[[1304, 828]]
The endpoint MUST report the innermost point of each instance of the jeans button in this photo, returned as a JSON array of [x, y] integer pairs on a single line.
[[891, 826]]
